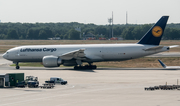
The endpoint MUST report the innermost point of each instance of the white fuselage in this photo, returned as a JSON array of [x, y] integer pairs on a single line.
[[94, 52]]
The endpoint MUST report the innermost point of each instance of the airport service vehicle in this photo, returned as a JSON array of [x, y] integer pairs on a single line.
[[30, 78], [31, 81], [47, 85], [168, 67], [50, 82], [58, 80], [75, 55], [33, 84], [21, 84]]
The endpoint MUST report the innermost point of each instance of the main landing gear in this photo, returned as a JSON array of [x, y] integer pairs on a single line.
[[17, 66], [85, 67]]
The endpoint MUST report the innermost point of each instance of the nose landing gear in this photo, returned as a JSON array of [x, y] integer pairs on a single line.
[[17, 66]]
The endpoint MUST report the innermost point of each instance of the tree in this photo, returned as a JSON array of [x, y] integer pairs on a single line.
[[49, 30], [127, 33], [100, 30], [12, 34], [32, 33], [2, 36], [42, 34], [74, 35]]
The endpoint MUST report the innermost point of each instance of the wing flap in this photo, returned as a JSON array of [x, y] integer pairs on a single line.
[[76, 54]]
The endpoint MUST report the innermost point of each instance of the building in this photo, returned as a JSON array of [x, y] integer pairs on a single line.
[[54, 38], [89, 36], [10, 79], [2, 80]]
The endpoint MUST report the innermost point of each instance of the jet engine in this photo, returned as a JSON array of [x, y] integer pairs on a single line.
[[51, 61]]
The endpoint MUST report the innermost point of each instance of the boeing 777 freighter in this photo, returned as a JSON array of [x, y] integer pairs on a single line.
[[75, 55]]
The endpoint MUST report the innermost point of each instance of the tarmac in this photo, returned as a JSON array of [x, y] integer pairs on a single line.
[[100, 87]]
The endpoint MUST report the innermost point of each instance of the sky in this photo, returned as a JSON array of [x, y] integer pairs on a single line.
[[89, 11]]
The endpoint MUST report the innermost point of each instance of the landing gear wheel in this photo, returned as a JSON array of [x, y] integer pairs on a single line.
[[94, 66], [17, 67], [86, 67], [75, 67], [16, 63]]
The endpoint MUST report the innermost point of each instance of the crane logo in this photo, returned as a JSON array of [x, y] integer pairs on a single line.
[[157, 31]]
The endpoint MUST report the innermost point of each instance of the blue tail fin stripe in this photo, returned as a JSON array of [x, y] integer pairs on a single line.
[[162, 63]]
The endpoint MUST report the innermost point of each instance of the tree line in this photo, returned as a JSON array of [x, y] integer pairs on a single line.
[[67, 31]]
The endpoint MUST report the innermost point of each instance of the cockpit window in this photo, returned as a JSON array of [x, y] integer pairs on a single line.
[[7, 52]]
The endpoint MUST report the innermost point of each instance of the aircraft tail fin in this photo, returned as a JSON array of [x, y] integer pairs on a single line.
[[154, 35], [162, 63]]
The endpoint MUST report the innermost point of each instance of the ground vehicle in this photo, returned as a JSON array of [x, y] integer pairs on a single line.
[[33, 84], [47, 85], [52, 82], [31, 78], [32, 81], [58, 80], [21, 84]]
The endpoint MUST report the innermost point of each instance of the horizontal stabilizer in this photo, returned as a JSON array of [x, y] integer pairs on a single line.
[[173, 46], [153, 48]]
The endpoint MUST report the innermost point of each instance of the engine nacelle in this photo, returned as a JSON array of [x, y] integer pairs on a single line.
[[51, 61]]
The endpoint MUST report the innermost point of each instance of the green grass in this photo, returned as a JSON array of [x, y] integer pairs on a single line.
[[29, 64]]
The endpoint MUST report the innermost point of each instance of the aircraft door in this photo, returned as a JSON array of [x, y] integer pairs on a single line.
[[17, 53]]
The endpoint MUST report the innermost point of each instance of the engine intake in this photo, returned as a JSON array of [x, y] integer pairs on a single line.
[[51, 61]]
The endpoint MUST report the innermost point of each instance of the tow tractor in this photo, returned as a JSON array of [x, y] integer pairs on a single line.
[[32, 81]]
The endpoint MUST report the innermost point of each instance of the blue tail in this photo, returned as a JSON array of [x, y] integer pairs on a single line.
[[154, 35], [162, 63]]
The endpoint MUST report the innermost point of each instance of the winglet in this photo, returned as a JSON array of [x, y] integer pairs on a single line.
[[154, 35], [162, 63]]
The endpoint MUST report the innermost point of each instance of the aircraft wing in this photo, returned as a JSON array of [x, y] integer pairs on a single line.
[[154, 48], [76, 54]]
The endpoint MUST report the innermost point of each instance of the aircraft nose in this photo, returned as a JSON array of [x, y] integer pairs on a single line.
[[4, 55]]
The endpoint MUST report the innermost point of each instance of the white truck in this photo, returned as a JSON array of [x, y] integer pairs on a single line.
[[58, 80]]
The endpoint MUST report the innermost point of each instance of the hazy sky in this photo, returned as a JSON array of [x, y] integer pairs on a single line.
[[89, 11]]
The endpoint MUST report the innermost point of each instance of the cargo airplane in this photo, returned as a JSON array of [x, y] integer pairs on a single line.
[[75, 55]]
